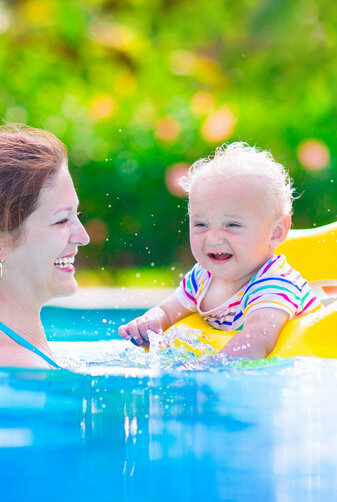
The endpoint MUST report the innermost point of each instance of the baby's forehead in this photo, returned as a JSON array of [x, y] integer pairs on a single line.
[[246, 192], [256, 183]]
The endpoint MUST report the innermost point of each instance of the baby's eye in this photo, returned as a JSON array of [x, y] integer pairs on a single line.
[[233, 225], [199, 224]]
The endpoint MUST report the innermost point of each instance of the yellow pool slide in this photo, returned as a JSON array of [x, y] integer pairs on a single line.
[[313, 252]]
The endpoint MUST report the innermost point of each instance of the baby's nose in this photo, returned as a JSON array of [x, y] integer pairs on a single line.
[[215, 237]]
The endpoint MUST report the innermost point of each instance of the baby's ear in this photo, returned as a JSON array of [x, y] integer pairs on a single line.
[[281, 228]]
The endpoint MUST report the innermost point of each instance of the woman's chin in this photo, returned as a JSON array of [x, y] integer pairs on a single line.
[[65, 288]]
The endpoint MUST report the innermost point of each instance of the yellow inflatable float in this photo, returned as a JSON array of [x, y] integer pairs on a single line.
[[313, 253]]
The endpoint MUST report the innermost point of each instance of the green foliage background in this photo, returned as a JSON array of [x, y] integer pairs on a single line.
[[102, 74]]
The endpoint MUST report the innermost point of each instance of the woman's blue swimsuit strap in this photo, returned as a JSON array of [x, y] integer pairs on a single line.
[[19, 339]]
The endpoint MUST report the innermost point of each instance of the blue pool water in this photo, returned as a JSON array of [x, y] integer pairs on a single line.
[[116, 425]]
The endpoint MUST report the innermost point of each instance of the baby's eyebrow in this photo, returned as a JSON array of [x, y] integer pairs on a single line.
[[198, 215]]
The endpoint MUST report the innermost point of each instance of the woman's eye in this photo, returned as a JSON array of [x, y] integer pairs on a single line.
[[62, 222]]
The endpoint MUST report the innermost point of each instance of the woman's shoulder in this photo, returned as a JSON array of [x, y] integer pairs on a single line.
[[14, 355]]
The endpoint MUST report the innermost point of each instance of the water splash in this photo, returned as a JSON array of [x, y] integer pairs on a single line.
[[177, 349]]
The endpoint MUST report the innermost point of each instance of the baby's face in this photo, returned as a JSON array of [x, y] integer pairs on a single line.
[[231, 227]]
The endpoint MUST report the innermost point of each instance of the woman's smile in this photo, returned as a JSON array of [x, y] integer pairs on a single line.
[[65, 263]]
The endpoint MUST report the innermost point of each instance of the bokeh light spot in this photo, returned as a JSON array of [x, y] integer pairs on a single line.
[[313, 154], [5, 18], [219, 125], [97, 230], [183, 62], [202, 103], [56, 124], [117, 36], [102, 106], [145, 114], [17, 114], [36, 12], [167, 129], [172, 177]]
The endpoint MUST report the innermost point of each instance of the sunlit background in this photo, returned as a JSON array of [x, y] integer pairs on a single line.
[[139, 89]]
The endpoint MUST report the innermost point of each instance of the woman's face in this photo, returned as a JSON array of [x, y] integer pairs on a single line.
[[41, 264]]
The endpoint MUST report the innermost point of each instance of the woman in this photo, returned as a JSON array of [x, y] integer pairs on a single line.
[[39, 237]]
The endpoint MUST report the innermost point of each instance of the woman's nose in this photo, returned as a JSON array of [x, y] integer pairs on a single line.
[[80, 235]]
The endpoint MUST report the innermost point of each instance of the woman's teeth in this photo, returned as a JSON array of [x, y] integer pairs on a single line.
[[64, 262]]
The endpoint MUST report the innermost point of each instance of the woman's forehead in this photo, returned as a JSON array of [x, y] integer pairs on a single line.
[[58, 192]]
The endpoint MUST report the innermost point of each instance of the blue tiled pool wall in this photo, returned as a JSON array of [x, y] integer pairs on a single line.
[[64, 324]]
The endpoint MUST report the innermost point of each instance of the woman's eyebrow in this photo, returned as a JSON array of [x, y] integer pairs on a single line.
[[67, 209], [63, 209]]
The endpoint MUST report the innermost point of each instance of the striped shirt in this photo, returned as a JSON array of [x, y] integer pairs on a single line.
[[275, 285]]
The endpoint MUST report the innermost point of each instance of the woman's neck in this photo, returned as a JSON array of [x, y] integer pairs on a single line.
[[22, 318]]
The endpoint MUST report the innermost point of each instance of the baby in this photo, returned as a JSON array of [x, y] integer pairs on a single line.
[[240, 205]]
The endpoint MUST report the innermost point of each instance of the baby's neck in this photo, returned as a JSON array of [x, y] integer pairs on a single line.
[[218, 293]]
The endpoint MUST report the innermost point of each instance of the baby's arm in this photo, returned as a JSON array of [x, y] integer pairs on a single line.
[[259, 334], [158, 318]]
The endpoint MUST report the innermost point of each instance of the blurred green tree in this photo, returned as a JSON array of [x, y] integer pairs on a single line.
[[134, 87]]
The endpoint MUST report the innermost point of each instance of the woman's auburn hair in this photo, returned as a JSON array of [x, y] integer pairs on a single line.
[[29, 158]]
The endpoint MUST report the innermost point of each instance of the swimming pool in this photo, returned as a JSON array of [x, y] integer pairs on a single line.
[[118, 426]]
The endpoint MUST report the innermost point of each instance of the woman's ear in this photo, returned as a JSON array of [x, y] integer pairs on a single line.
[[3, 246], [280, 230]]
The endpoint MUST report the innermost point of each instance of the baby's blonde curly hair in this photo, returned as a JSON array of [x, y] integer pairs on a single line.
[[240, 159]]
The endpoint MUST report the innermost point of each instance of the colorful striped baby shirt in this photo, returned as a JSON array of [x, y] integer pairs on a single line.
[[275, 285]]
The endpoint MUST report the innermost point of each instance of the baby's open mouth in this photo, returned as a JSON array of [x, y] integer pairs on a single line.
[[220, 256], [64, 262]]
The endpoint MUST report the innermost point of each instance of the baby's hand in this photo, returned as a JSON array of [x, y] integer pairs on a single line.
[[136, 330]]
